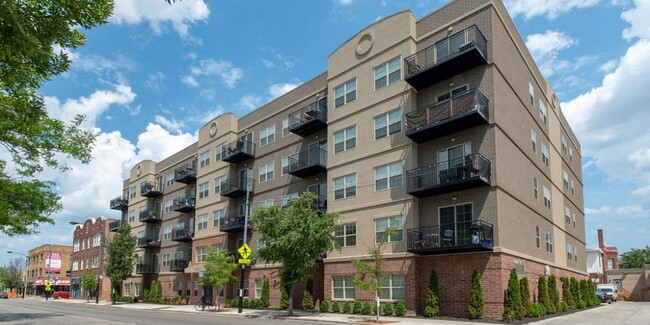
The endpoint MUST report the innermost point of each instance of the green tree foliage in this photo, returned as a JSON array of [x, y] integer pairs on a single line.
[[307, 301], [553, 292], [514, 306], [218, 271], [324, 306], [400, 309], [29, 33], [12, 274], [585, 292], [293, 236], [284, 297], [543, 294], [567, 296], [346, 307], [635, 258], [154, 293], [575, 293], [387, 310], [336, 307], [432, 303], [524, 289], [121, 258], [356, 309], [88, 282], [476, 304], [266, 293]]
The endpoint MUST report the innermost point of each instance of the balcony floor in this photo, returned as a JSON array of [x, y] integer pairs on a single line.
[[481, 247], [451, 186], [308, 171], [308, 127], [458, 63], [447, 126]]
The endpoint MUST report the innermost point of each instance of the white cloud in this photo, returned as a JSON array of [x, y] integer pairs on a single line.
[[545, 49], [277, 90], [551, 9], [190, 81], [156, 81], [250, 102], [226, 71], [608, 66], [170, 124], [605, 209], [638, 19], [643, 192], [180, 15], [633, 212], [344, 2], [268, 64], [156, 143]]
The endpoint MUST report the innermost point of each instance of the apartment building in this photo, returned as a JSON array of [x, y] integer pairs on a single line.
[[88, 255], [48, 262], [442, 127]]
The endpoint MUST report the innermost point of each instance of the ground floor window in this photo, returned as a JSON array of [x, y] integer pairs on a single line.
[[245, 287], [258, 288], [180, 288], [343, 287], [392, 288], [138, 289], [127, 289], [188, 289], [196, 289]]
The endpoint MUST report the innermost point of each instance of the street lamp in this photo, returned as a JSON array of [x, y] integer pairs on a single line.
[[24, 273]]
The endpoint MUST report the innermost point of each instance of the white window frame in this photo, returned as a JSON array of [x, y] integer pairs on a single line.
[[391, 287], [569, 251], [533, 139], [202, 222], [535, 188], [265, 203], [285, 128], [259, 283], [267, 172], [347, 184], [342, 235], [167, 232], [166, 259], [267, 135], [567, 214], [220, 150], [346, 136], [547, 198], [204, 159], [131, 216], [392, 221], [394, 174], [543, 112], [217, 183], [170, 178], [347, 284], [286, 199], [564, 144], [573, 188], [538, 239], [531, 93], [204, 189], [169, 205], [347, 91], [217, 215], [545, 154], [549, 242], [385, 121], [388, 74], [200, 254]]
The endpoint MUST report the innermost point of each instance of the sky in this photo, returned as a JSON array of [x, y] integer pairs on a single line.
[[156, 73]]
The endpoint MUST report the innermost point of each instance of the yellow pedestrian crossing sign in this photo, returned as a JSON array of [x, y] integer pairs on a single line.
[[245, 251], [48, 285]]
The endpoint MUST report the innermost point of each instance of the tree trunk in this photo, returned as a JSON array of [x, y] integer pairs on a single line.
[[218, 303], [291, 301], [113, 294], [377, 305]]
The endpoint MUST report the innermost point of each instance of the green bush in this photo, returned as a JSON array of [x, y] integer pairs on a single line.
[[366, 309], [514, 297], [476, 304], [584, 292], [432, 302], [566, 292], [266, 293], [324, 306], [347, 308], [524, 291], [564, 307], [284, 298], [135, 299], [246, 303], [307, 301], [537, 310], [336, 308], [575, 291], [553, 293], [387, 310], [400, 309], [581, 304], [509, 315], [543, 296], [357, 307]]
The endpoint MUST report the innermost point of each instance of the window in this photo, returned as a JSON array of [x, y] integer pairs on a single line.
[[573, 188], [169, 205], [75, 246], [204, 159], [535, 188], [265, 203], [392, 287], [138, 289], [195, 293], [564, 145], [610, 263], [346, 234], [388, 176], [170, 178], [343, 287], [533, 139], [165, 259], [217, 215], [573, 215], [545, 154], [285, 128], [132, 192], [388, 73], [220, 151], [286, 199], [188, 288], [266, 172], [75, 265], [547, 197], [531, 93], [258, 288], [570, 154], [383, 223], [286, 160], [542, 111], [245, 284], [345, 93], [127, 289], [180, 288], [218, 182], [267, 135], [567, 214], [537, 237], [569, 251], [575, 253], [388, 124], [200, 254], [97, 240], [345, 139], [204, 190], [451, 94], [565, 178], [131, 216], [202, 222], [549, 242], [167, 232], [345, 186]]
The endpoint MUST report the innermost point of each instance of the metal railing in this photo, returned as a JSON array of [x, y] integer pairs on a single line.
[[451, 235], [308, 158], [148, 241], [178, 265], [119, 202], [149, 215], [472, 100], [236, 184], [184, 202], [447, 172], [187, 171], [240, 146], [182, 234], [113, 226], [231, 223], [142, 268], [151, 188], [313, 111]]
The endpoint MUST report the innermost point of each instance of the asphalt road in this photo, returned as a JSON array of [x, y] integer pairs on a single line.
[[28, 311]]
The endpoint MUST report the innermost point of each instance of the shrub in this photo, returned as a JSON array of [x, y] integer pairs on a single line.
[[564, 307], [542, 295], [347, 308], [387, 310], [575, 291], [476, 304], [566, 292], [307, 301], [432, 302], [524, 291], [246, 303], [514, 297], [357, 307], [336, 308], [537, 310], [324, 306], [366, 309], [400, 309], [135, 299], [584, 292], [553, 293], [581, 304], [266, 293], [284, 298], [509, 315]]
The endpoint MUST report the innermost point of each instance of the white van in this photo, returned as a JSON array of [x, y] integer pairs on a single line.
[[610, 288]]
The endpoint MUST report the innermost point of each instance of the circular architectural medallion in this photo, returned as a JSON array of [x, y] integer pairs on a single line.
[[365, 44], [138, 170], [213, 129]]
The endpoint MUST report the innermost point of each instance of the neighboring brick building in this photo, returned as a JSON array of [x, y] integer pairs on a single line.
[[38, 271], [89, 253], [610, 256], [442, 127]]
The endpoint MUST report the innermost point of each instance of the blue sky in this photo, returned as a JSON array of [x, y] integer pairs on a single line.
[[152, 76]]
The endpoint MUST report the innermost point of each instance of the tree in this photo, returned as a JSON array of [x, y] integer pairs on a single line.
[[293, 236], [513, 305], [524, 290], [13, 273], [266, 293], [476, 304], [566, 292], [575, 292], [543, 295], [432, 303], [121, 258], [30, 31], [636, 258], [553, 292], [218, 271], [89, 282]]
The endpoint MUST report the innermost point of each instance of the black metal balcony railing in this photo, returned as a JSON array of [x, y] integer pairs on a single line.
[[184, 203], [236, 187], [114, 226], [449, 176], [232, 224], [459, 113], [467, 236], [308, 163], [186, 173], [446, 58], [150, 216], [119, 203], [178, 265], [142, 268], [182, 235], [238, 151], [147, 242], [151, 189], [320, 205], [309, 119]]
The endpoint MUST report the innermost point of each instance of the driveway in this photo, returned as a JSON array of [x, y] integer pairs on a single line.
[[618, 313]]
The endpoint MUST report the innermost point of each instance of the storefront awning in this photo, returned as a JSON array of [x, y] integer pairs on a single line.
[[60, 282]]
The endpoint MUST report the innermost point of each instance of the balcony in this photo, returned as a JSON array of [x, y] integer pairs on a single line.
[[144, 269], [446, 58], [114, 226], [309, 119], [150, 216], [456, 114], [184, 204], [182, 235], [236, 187], [151, 189], [238, 151], [146, 242], [232, 224], [308, 163], [186, 174], [449, 176], [119, 203], [320, 205], [468, 236], [178, 265]]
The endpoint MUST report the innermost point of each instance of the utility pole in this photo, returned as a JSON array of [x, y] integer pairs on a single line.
[[49, 270], [243, 266], [24, 273]]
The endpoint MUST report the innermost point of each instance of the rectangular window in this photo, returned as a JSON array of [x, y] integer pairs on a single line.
[[75, 265], [258, 288], [564, 145], [170, 178], [266, 171], [204, 190], [165, 259], [202, 222], [218, 182], [569, 251], [545, 155], [388, 176], [245, 285], [570, 154], [127, 289], [169, 205], [451, 94], [204, 159], [345, 139], [131, 216], [575, 253], [531, 93], [132, 192], [286, 199], [537, 237], [533, 139], [535, 188], [265, 203], [343, 287], [388, 124], [567, 214], [188, 288], [345, 186], [267, 135], [547, 197], [220, 151], [200, 254], [285, 128], [138, 289], [346, 234], [286, 160], [392, 287], [388, 73], [573, 215], [542, 111], [345, 93], [573, 188], [76, 246], [549, 242], [610, 263], [383, 223], [217, 215], [167, 232], [196, 289], [565, 179]]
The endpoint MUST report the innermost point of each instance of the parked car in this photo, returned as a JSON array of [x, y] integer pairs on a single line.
[[610, 286], [605, 295], [61, 294], [4, 295]]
